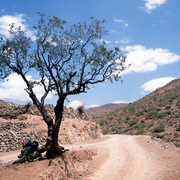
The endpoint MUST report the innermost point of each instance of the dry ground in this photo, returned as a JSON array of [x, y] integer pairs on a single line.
[[113, 157]]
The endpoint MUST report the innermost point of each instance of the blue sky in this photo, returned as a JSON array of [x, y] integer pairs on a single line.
[[147, 31]]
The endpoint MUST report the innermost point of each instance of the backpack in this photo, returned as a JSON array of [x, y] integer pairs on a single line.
[[34, 145]]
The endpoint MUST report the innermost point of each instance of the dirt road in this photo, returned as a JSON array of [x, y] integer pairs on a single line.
[[123, 157]]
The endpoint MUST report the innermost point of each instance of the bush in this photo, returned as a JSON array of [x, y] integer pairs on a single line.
[[178, 104], [168, 107], [132, 122], [102, 122], [159, 128], [140, 132], [151, 114], [81, 109], [154, 109], [136, 126], [178, 128], [105, 131], [140, 113], [160, 115]]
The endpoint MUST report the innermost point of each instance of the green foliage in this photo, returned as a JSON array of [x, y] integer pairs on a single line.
[[154, 109], [140, 132], [140, 113], [131, 109], [178, 104], [136, 126], [68, 59], [132, 122], [105, 131], [178, 128], [102, 122], [159, 128], [177, 145], [168, 107], [151, 114]]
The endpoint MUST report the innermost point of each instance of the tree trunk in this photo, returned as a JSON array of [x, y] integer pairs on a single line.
[[53, 147]]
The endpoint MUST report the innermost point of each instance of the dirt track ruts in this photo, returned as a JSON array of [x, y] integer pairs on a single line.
[[125, 159]]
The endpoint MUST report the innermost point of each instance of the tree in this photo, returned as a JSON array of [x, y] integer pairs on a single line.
[[67, 60]]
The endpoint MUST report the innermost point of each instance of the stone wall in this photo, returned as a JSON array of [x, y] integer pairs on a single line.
[[14, 127], [12, 135]]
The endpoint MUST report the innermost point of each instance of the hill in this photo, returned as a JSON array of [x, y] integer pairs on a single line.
[[157, 114], [95, 111]]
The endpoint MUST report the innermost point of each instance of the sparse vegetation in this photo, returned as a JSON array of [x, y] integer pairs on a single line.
[[149, 115], [132, 122], [81, 109], [178, 104], [178, 128], [159, 128]]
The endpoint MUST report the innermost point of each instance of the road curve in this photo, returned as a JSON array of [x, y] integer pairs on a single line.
[[124, 159]]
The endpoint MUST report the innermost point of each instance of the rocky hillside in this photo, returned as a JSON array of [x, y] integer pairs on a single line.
[[22, 123], [96, 111], [9, 110], [157, 114]]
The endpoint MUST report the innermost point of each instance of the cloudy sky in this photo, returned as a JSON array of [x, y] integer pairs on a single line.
[[147, 31]]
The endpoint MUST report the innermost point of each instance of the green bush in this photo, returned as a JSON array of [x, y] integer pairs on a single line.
[[140, 132], [151, 114], [159, 128], [140, 113], [178, 128], [160, 115], [132, 122], [102, 122], [105, 131], [136, 126], [168, 107], [178, 104], [154, 109]]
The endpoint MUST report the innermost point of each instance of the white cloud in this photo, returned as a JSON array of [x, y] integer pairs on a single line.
[[153, 4], [156, 83], [93, 105], [102, 40], [19, 20], [119, 102], [142, 59], [120, 21], [75, 104], [13, 88], [125, 40]]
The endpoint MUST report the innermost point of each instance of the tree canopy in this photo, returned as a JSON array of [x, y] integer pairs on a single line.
[[67, 59]]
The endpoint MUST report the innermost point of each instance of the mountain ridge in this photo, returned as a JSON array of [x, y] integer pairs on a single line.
[[104, 108], [157, 114]]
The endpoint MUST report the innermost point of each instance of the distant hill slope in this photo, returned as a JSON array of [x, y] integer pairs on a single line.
[[105, 108], [157, 114]]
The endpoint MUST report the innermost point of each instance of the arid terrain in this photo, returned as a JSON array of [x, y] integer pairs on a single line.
[[157, 114], [93, 156], [111, 157]]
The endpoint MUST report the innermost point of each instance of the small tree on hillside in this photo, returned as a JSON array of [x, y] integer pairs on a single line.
[[67, 61]]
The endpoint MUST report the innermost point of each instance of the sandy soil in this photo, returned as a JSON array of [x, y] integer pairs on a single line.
[[115, 157]]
